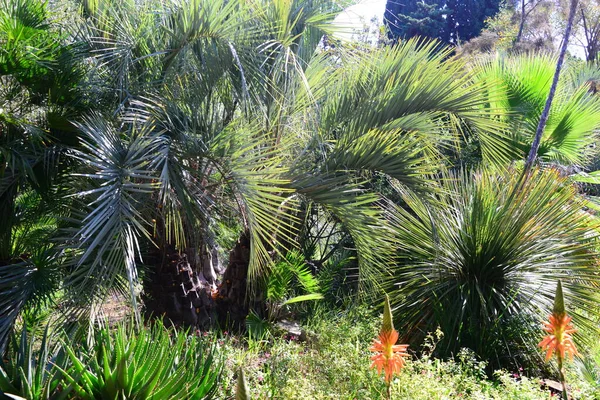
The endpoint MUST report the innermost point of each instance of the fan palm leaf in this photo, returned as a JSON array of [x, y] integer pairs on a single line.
[[521, 86]]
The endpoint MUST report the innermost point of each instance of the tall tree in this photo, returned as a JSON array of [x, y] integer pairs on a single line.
[[466, 18], [412, 18], [526, 7], [588, 27], [451, 21]]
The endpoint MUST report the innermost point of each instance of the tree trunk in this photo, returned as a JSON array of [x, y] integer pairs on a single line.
[[186, 288], [232, 298], [181, 287], [179, 290], [544, 118], [521, 23]]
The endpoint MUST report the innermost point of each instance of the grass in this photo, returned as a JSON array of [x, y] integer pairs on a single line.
[[333, 363]]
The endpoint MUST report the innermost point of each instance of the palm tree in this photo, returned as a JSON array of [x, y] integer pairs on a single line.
[[228, 113], [519, 95], [41, 93]]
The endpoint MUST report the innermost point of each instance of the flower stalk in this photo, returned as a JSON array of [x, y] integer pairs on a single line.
[[389, 357], [559, 339]]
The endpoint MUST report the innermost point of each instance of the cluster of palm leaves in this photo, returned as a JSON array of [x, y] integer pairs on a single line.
[[481, 265], [160, 121]]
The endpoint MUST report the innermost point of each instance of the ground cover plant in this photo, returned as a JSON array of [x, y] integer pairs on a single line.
[[251, 188]]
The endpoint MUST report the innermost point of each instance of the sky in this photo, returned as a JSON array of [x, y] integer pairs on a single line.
[[355, 17]]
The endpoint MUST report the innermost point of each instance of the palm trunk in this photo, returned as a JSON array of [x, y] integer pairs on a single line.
[[186, 287], [232, 300], [182, 284], [179, 291], [544, 118]]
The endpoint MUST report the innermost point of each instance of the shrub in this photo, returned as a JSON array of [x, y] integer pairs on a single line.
[[483, 264], [33, 369], [149, 363], [152, 363]]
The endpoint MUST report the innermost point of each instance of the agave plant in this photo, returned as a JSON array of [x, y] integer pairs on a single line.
[[488, 257]]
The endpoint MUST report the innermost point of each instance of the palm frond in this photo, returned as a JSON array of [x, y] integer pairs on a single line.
[[521, 85]]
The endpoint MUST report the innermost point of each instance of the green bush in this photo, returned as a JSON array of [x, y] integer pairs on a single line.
[[483, 264], [121, 363]]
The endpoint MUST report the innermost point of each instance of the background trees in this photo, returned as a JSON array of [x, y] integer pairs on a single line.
[[451, 21]]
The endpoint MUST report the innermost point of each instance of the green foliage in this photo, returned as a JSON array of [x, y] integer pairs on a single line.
[[466, 18], [289, 281], [34, 370], [450, 21], [153, 363], [519, 96], [290, 275], [490, 253], [334, 364], [415, 18], [30, 283]]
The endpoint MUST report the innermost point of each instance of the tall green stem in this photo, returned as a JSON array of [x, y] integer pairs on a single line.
[[561, 375]]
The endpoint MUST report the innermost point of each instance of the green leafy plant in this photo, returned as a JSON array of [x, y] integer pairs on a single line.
[[488, 255], [521, 85], [289, 277], [152, 363], [33, 370], [290, 281]]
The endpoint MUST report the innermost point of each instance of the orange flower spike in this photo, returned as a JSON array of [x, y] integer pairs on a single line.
[[560, 330], [559, 338], [390, 356]]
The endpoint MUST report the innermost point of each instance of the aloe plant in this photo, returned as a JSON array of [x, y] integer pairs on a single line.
[[154, 363], [31, 373]]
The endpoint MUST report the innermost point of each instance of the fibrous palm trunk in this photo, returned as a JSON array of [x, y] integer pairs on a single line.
[[189, 287], [232, 297]]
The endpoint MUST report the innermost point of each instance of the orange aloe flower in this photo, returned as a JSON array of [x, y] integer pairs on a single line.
[[559, 330], [559, 337], [390, 356]]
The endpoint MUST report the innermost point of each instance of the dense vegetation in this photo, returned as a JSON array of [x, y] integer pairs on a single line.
[[250, 187]]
